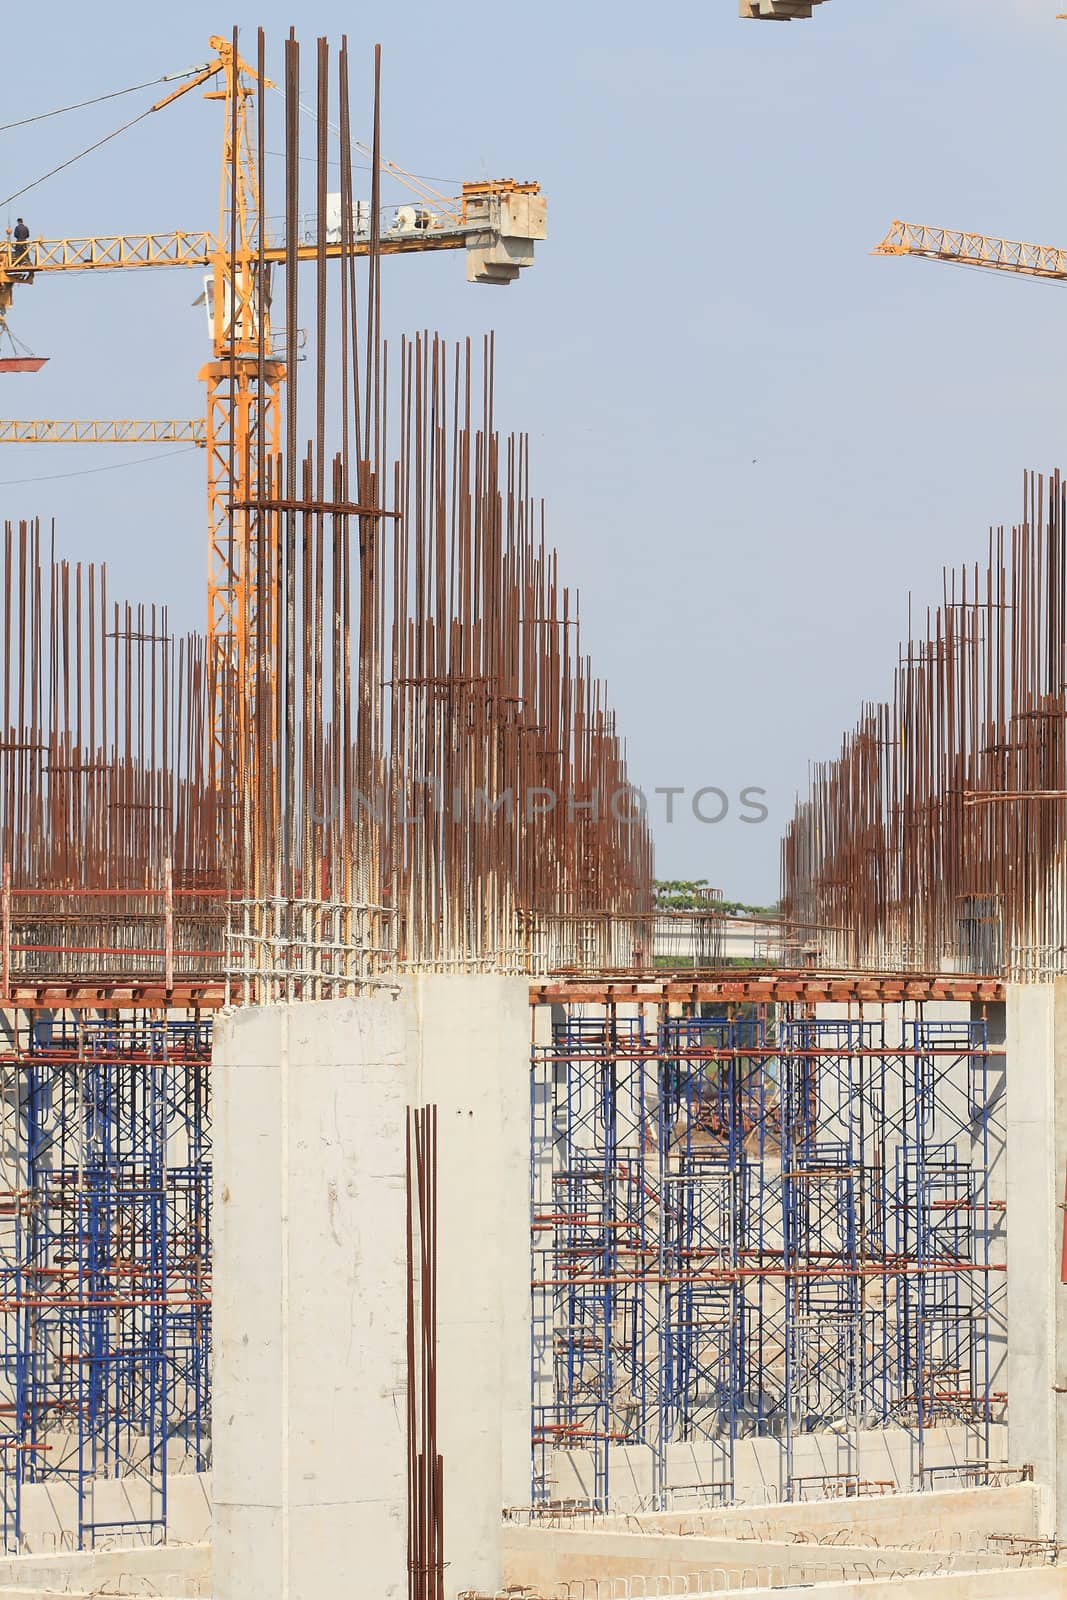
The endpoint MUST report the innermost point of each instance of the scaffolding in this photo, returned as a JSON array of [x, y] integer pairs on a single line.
[[104, 1269], [756, 1225]]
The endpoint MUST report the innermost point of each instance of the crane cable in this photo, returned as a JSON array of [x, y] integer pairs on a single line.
[[96, 146], [78, 105], [87, 472], [421, 186]]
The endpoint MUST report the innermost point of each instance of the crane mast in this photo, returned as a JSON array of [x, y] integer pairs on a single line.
[[495, 222], [243, 384]]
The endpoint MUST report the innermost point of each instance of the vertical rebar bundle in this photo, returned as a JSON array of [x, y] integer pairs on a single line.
[[398, 755], [427, 772], [102, 753], [425, 1500], [937, 838]]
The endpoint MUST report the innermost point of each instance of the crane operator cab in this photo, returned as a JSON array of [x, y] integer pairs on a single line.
[[15, 257]]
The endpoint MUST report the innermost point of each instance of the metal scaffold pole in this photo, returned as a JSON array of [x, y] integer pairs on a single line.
[[105, 1244], [757, 1225]]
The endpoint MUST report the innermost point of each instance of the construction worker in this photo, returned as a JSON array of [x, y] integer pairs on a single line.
[[22, 234]]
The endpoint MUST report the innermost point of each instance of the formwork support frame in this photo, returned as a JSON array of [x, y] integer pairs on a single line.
[[757, 1223]]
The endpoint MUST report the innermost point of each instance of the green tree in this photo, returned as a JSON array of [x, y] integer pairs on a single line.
[[692, 894]]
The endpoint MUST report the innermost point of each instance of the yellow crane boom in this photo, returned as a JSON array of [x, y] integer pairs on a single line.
[[484, 220], [496, 224], [973, 250], [95, 431]]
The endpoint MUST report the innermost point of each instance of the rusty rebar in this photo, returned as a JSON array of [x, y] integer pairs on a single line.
[[937, 836]]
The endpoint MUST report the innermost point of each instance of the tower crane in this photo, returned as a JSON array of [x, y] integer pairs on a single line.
[[495, 222], [973, 250]]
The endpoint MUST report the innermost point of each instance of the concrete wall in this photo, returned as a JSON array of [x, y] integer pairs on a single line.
[[938, 1539], [541, 1557], [685, 939], [760, 1466], [173, 1570], [310, 1283], [939, 1519], [1037, 1301], [50, 1510], [796, 1580]]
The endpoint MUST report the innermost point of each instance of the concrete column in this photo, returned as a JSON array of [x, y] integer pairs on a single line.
[[474, 1064], [1037, 1302], [310, 1285], [310, 1301]]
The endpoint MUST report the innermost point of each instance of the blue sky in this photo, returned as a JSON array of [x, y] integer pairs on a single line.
[[754, 438]]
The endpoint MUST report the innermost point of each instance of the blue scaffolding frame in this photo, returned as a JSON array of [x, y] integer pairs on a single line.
[[755, 1225], [105, 1322]]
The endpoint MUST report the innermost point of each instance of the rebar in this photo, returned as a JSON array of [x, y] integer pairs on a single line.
[[399, 756], [936, 839], [425, 1500]]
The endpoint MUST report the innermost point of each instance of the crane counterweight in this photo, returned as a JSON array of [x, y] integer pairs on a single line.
[[776, 10]]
